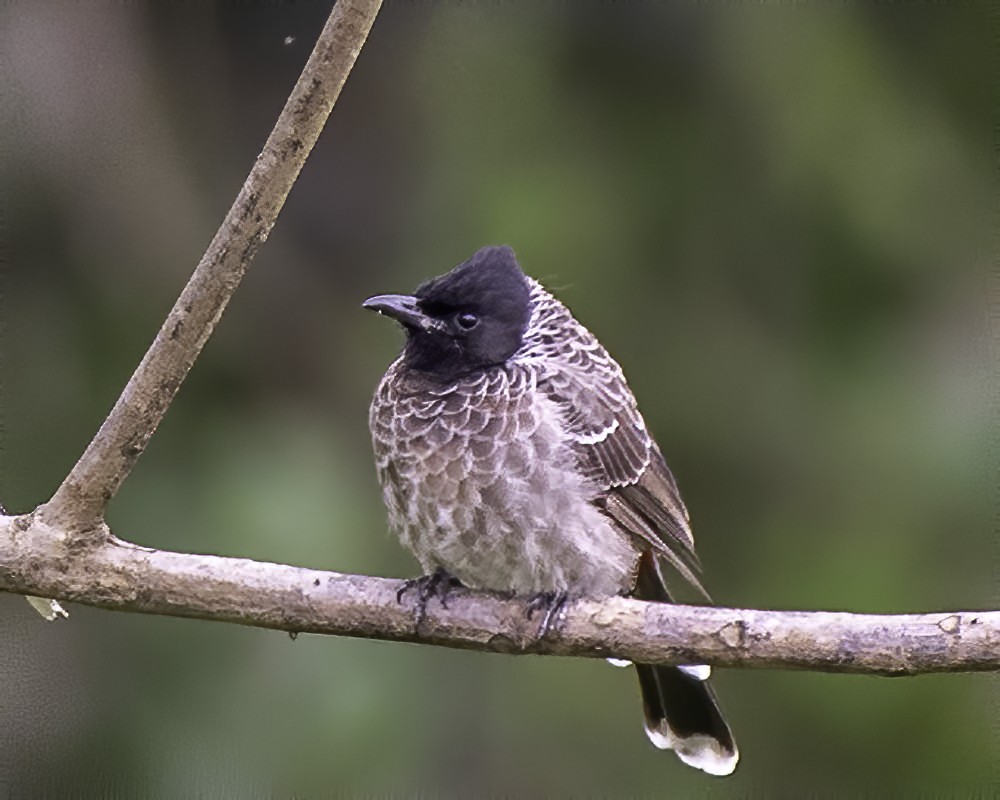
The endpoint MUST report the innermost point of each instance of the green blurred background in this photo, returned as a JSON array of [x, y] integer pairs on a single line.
[[777, 219]]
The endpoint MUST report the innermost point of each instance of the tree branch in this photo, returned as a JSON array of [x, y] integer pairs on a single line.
[[79, 503], [64, 550], [38, 559]]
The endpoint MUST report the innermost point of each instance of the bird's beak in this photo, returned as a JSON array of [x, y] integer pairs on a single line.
[[404, 309]]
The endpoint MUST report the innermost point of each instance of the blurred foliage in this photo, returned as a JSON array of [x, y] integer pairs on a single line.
[[776, 217]]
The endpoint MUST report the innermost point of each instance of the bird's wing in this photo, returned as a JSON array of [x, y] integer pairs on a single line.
[[614, 449]]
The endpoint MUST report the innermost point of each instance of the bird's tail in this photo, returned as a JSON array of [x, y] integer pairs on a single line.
[[682, 713]]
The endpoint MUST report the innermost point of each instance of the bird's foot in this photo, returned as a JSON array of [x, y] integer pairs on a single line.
[[438, 584], [553, 603]]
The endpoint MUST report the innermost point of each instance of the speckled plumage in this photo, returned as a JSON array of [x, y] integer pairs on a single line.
[[515, 477], [519, 461]]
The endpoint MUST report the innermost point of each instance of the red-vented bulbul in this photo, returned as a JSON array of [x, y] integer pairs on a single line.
[[512, 457]]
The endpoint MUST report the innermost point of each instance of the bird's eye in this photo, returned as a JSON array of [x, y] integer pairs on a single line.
[[467, 320]]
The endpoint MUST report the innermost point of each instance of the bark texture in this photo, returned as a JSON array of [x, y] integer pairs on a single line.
[[39, 559]]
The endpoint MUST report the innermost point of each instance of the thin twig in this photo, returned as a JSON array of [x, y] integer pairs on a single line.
[[34, 559], [79, 503]]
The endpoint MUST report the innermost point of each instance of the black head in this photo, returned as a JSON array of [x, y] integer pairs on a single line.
[[470, 318]]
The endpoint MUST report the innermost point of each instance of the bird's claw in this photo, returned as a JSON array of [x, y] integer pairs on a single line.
[[438, 584], [553, 603]]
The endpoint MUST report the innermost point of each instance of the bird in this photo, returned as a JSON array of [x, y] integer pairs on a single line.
[[513, 457]]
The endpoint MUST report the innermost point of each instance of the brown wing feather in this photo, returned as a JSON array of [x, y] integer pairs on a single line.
[[614, 449], [651, 508]]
